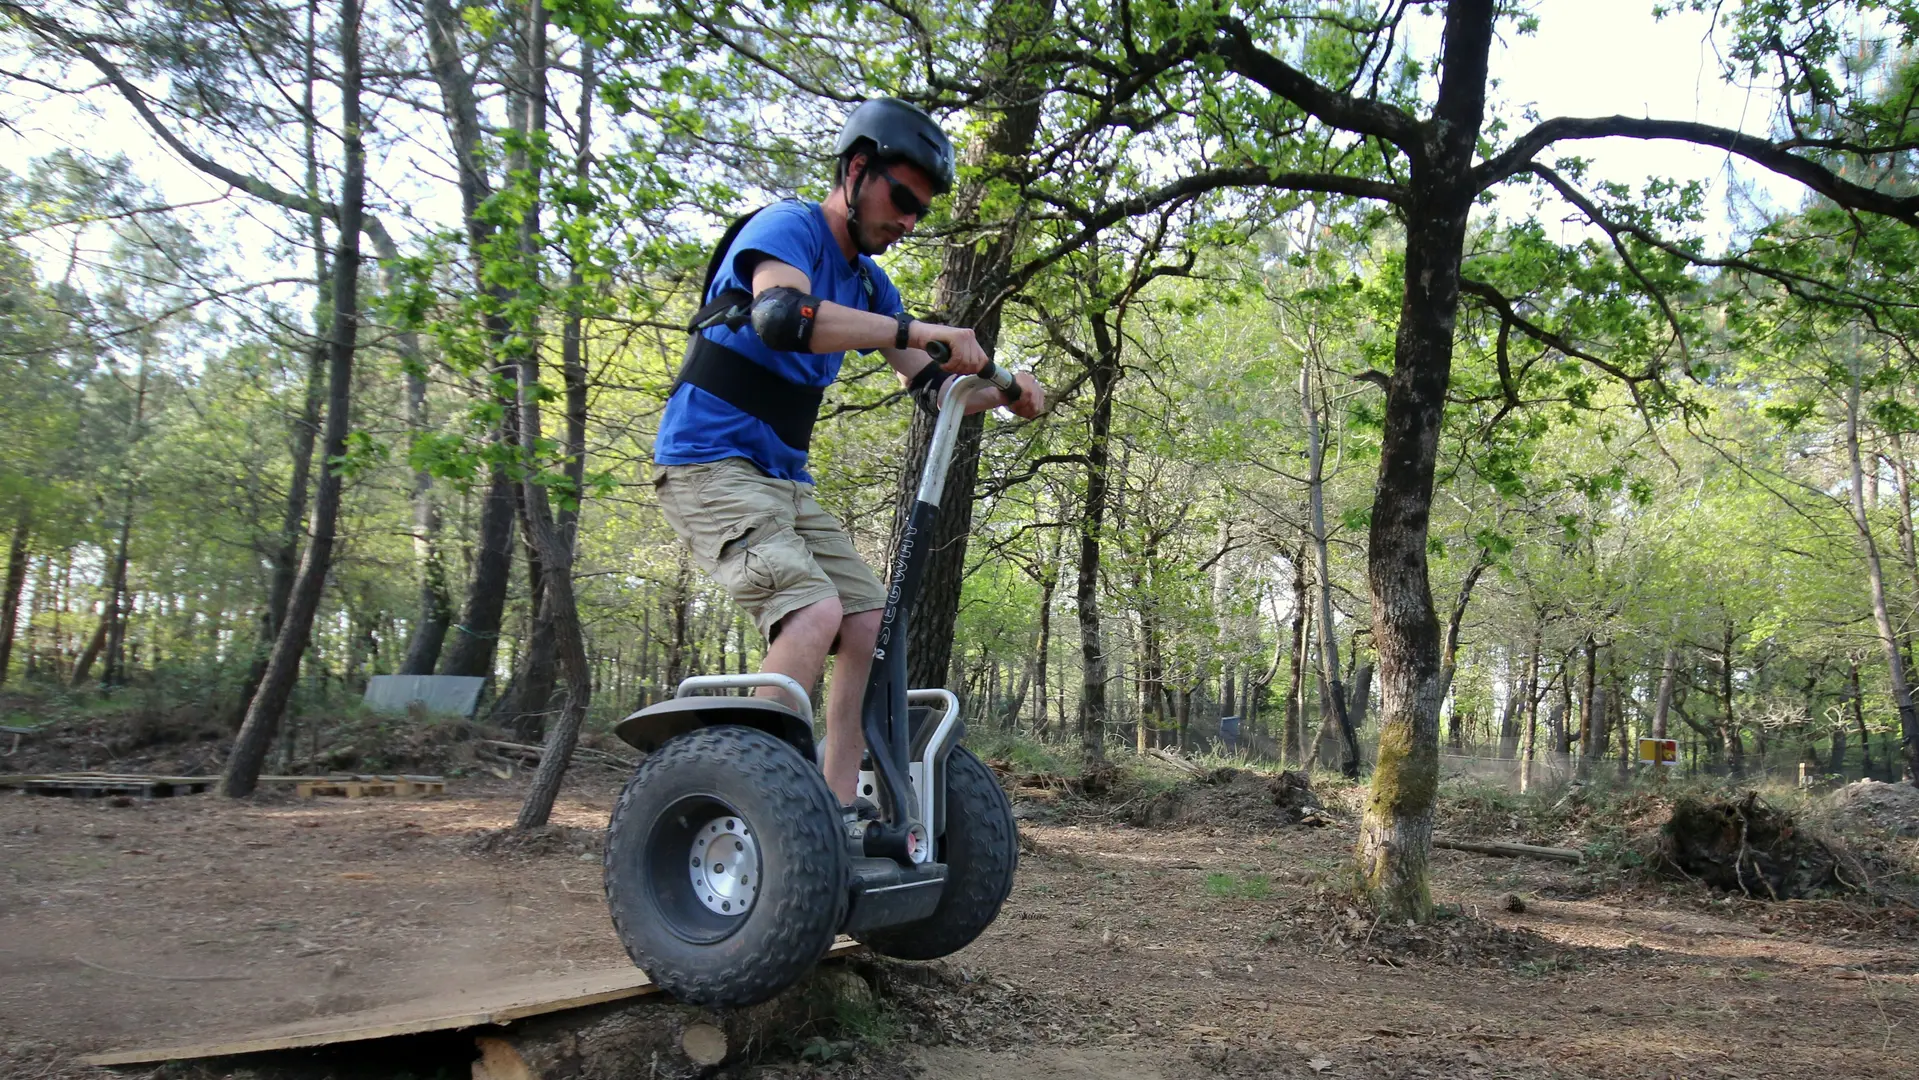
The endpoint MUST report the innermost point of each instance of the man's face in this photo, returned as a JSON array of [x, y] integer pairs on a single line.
[[883, 215]]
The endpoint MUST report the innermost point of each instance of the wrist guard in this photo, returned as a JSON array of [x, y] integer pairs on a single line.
[[925, 388]]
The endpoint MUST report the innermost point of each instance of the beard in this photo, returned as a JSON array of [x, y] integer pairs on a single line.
[[873, 240]]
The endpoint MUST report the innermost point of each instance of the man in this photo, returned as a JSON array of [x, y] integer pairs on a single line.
[[793, 290]]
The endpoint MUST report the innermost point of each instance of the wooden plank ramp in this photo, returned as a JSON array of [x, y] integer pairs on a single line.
[[499, 1002]]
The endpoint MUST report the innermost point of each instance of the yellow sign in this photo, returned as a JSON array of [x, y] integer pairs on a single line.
[[1659, 751]]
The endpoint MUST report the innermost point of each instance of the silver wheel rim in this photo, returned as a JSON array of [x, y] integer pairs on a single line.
[[725, 866]]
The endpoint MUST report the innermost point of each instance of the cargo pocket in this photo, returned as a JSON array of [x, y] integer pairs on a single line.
[[721, 544], [775, 559]]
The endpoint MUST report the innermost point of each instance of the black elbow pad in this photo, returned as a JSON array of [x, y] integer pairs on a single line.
[[783, 318]]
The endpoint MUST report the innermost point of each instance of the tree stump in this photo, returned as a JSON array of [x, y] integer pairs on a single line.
[[1748, 847], [657, 1037]]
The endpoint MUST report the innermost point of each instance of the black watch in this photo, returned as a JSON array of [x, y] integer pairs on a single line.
[[906, 323]]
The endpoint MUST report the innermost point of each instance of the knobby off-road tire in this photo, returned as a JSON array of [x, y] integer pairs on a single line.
[[981, 852], [784, 810]]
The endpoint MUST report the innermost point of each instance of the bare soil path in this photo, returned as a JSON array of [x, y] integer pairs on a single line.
[[1124, 953]]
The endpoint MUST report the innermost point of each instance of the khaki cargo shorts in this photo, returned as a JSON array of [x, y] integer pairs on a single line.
[[765, 540]]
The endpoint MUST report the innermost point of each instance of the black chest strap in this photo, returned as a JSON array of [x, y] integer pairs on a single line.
[[789, 408]]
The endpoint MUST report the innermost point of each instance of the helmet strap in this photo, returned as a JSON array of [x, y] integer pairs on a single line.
[[853, 201]]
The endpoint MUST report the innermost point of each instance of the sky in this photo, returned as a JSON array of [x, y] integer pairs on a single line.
[[1611, 57]]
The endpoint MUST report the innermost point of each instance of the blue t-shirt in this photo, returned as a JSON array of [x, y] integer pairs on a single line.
[[697, 426]]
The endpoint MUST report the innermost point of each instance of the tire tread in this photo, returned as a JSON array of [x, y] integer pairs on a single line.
[[810, 904]]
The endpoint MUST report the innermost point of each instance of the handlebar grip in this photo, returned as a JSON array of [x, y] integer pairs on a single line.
[[941, 352], [1002, 378]]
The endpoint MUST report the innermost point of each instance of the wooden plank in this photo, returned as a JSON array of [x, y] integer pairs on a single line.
[[1511, 851], [498, 1003]]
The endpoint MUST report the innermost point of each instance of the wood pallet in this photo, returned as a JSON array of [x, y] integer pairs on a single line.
[[100, 784], [399, 786]]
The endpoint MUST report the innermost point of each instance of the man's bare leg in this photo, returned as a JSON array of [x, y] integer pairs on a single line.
[[844, 739], [798, 650]]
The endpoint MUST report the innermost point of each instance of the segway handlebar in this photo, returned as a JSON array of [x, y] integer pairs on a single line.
[[941, 352]]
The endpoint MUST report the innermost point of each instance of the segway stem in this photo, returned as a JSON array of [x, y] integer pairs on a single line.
[[903, 830]]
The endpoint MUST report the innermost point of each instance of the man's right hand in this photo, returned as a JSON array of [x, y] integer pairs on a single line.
[[967, 359]]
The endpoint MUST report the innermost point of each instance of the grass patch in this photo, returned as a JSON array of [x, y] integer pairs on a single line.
[[1239, 887], [1026, 756]]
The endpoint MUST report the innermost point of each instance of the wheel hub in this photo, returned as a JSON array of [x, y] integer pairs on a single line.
[[725, 866]]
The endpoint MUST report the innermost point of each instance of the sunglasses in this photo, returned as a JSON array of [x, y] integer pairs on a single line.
[[903, 198]]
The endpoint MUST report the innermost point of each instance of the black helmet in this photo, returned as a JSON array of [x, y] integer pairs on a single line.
[[899, 131]]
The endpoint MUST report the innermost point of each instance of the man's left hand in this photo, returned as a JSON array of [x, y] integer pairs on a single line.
[[1032, 397]]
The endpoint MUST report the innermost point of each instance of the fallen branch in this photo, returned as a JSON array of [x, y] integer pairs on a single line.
[[1511, 851], [537, 752], [1176, 761]]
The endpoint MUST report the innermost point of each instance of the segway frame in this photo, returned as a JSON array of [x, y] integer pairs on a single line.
[[895, 878]]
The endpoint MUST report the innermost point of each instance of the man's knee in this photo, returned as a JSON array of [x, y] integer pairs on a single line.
[[816, 624], [858, 631]]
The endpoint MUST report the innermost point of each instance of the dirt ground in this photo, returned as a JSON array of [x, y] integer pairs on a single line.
[[1125, 953]]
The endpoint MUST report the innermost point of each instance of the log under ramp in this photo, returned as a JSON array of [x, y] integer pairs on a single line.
[[611, 1022]]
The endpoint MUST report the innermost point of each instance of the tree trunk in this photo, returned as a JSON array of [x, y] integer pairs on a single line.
[[1556, 720], [1293, 750], [1362, 695], [1662, 705], [527, 700], [1092, 705], [1729, 738], [1152, 719], [1092, 699], [283, 668], [549, 539], [436, 605], [1183, 721], [1859, 716], [16, 584], [285, 557], [1588, 702], [679, 602], [1328, 645], [1530, 710], [84, 665], [44, 600], [1047, 583], [1395, 843], [1448, 663], [472, 650], [968, 293], [1509, 725], [119, 603], [1881, 616], [1600, 733]]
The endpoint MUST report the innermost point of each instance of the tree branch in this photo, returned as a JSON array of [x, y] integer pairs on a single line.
[[1251, 176], [1762, 152], [1504, 306], [1329, 107]]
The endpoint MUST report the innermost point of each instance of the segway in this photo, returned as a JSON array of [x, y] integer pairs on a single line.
[[730, 867]]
